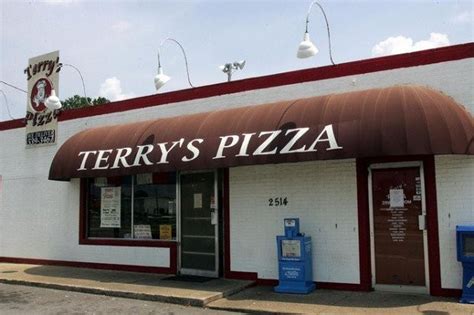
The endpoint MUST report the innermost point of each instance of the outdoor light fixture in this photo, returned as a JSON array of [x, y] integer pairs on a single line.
[[161, 78], [229, 68], [53, 102], [307, 48], [80, 74]]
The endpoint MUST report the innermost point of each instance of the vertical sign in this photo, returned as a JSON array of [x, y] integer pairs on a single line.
[[42, 75], [110, 207]]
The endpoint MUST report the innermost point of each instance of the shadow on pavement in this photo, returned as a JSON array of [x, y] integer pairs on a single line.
[[265, 295], [125, 277]]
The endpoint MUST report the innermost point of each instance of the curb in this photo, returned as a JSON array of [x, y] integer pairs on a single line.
[[247, 310], [128, 294]]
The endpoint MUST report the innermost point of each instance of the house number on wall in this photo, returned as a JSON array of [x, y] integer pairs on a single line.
[[278, 202]]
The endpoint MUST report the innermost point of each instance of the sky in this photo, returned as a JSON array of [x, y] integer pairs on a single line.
[[114, 44]]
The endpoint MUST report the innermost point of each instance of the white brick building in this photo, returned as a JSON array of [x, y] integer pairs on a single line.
[[336, 197]]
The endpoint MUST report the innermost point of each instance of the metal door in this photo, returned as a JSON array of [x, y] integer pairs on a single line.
[[199, 224]]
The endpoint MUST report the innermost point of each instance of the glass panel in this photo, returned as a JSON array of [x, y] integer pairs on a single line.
[[98, 216], [468, 245], [197, 231], [291, 248], [154, 213], [196, 261]]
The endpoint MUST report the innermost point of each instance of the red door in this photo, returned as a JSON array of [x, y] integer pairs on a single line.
[[398, 240]]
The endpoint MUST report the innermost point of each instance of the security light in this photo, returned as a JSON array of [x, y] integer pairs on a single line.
[[61, 65], [307, 48], [229, 68], [161, 78]]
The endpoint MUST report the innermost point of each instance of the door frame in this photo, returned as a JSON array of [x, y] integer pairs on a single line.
[[189, 271], [399, 288]]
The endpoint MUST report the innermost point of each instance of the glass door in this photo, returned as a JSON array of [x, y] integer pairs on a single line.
[[199, 224]]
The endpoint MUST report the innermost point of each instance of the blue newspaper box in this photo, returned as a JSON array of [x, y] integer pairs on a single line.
[[295, 266], [465, 249]]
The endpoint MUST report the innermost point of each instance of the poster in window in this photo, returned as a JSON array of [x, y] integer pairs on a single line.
[[110, 207], [142, 231], [144, 179], [100, 181], [171, 207], [166, 232]]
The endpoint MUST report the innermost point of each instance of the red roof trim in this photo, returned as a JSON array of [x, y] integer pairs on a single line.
[[12, 124], [414, 59]]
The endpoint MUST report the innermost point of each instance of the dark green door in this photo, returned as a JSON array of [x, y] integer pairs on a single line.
[[199, 224]]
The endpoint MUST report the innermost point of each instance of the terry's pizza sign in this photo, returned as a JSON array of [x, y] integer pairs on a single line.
[[43, 76]]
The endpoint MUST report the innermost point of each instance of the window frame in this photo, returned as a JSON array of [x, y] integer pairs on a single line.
[[85, 240]]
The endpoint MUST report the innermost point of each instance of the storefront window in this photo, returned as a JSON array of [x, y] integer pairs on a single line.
[[142, 206], [155, 206], [109, 207]]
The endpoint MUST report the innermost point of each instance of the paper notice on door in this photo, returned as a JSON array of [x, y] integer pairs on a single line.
[[197, 201], [110, 207], [396, 198]]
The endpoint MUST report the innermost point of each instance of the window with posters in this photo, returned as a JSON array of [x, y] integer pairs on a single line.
[[138, 207]]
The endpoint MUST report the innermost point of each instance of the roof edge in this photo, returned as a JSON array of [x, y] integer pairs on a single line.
[[413, 59]]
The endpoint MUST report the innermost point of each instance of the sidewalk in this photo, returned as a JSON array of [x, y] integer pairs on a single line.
[[133, 285], [233, 295], [262, 299]]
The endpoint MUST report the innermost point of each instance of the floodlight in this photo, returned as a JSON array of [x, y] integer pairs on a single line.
[[229, 68]]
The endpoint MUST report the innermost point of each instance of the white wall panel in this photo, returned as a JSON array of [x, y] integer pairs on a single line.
[[455, 193], [323, 194]]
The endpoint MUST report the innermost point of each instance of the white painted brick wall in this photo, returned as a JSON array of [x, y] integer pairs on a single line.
[[323, 194], [39, 218], [455, 192]]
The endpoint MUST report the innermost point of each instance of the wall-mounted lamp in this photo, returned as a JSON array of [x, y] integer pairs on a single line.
[[80, 75], [230, 68], [161, 78], [307, 48], [53, 102]]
